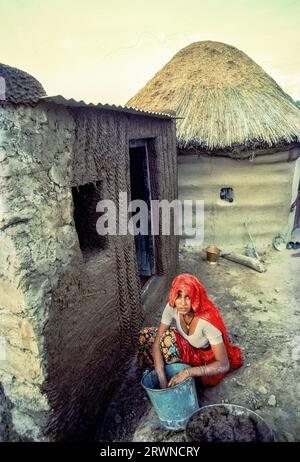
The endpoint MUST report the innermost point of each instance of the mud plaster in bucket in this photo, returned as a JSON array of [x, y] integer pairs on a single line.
[[227, 423]]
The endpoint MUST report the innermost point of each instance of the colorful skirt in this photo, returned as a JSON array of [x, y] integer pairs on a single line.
[[168, 346], [176, 349]]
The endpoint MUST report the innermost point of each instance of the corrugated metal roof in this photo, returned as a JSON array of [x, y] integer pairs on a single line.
[[59, 99]]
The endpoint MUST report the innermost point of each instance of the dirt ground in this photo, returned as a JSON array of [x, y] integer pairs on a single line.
[[262, 315]]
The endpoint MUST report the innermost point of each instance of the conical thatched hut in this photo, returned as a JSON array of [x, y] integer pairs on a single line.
[[238, 141]]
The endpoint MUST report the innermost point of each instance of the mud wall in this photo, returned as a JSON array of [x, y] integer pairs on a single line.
[[36, 241], [262, 190], [99, 294], [70, 318]]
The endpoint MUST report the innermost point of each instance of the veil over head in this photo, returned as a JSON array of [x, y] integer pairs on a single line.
[[192, 287]]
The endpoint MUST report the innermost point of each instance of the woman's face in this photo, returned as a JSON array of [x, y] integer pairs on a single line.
[[183, 303]]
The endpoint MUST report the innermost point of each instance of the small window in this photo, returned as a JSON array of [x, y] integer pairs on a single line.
[[226, 194], [85, 200]]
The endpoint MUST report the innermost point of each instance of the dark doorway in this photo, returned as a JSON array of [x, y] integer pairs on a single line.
[[140, 189], [297, 205], [85, 199]]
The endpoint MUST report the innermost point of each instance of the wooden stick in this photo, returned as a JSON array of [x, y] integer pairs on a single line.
[[246, 261]]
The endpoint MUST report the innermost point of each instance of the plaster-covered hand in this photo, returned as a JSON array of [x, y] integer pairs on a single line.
[[158, 358], [178, 378], [163, 383], [161, 375]]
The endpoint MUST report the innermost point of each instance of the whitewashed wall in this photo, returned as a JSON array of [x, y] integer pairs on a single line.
[[262, 197]]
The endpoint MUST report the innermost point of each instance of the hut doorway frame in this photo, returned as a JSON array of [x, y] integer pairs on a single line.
[[145, 245]]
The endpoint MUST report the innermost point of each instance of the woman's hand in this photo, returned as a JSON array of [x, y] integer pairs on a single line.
[[178, 378]]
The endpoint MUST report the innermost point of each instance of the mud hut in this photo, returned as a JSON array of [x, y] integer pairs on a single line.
[[71, 301], [237, 140]]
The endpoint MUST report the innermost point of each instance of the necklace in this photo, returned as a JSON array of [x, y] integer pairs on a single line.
[[188, 324]]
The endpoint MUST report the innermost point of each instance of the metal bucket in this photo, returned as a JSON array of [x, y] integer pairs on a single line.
[[205, 425], [173, 405], [212, 253]]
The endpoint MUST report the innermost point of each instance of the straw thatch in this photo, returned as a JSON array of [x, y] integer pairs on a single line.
[[226, 100]]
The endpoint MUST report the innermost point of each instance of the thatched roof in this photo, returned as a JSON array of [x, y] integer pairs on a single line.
[[19, 87], [226, 99]]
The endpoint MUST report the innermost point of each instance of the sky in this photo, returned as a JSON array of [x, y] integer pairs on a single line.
[[106, 50]]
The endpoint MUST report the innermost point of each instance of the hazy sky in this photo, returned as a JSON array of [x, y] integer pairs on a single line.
[[106, 50]]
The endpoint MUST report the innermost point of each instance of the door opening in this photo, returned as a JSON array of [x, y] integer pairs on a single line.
[[141, 189]]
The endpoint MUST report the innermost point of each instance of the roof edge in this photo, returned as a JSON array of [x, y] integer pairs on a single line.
[[62, 101]]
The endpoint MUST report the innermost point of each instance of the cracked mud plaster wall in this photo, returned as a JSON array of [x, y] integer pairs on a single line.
[[69, 319], [262, 196], [36, 242]]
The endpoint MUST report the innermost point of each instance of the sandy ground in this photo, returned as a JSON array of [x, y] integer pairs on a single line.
[[262, 315]]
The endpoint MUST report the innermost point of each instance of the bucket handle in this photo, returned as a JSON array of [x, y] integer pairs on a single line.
[[146, 371]]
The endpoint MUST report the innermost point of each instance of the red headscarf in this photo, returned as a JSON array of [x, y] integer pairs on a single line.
[[205, 309], [202, 306]]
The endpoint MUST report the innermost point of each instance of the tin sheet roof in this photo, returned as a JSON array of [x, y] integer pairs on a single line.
[[59, 99]]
